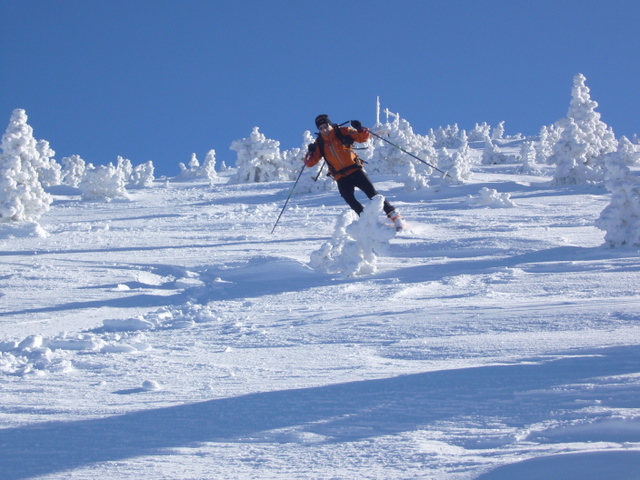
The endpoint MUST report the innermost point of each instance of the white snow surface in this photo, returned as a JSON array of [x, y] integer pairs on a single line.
[[170, 335]]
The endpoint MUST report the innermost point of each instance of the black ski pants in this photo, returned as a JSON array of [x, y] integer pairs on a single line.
[[347, 188]]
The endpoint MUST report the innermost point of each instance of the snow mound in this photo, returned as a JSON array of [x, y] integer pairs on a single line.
[[22, 230], [150, 385], [166, 318], [353, 250], [489, 197], [30, 356], [128, 324], [40, 355], [283, 271]]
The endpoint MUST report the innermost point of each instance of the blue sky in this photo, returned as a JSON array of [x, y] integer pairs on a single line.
[[159, 80]]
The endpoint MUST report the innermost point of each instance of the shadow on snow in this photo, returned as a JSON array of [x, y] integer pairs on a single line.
[[621, 465], [519, 395]]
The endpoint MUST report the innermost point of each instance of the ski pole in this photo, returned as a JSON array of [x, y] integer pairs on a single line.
[[287, 201], [319, 172], [409, 153]]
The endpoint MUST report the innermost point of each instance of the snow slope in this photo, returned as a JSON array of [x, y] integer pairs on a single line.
[[172, 336]]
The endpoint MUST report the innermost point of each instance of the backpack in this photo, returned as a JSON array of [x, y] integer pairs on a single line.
[[347, 141]]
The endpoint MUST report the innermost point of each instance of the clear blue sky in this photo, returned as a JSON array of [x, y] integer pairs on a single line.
[[158, 80]]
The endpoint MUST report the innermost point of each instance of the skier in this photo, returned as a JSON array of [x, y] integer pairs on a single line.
[[334, 144]]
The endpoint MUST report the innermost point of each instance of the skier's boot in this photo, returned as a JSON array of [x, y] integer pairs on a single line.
[[397, 220]]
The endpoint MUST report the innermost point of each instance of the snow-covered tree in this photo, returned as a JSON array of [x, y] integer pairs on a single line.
[[628, 151], [621, 218], [73, 170], [209, 166], [528, 154], [459, 169], [125, 166], [195, 171], [456, 165], [548, 137], [447, 137], [259, 160], [49, 171], [585, 140], [194, 163], [492, 155], [314, 179], [191, 171], [480, 132], [387, 159], [142, 176], [223, 167], [22, 197], [498, 132], [443, 158], [412, 179], [103, 183]]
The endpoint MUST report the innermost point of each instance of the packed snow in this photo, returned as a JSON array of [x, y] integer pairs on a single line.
[[157, 328]]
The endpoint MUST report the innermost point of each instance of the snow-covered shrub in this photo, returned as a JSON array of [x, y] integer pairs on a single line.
[[447, 137], [136, 177], [103, 183], [209, 166], [22, 197], [457, 166], [570, 157], [411, 177], [498, 132], [621, 218], [73, 170], [528, 155], [142, 176], [549, 136], [479, 133], [462, 163], [585, 140], [386, 159], [189, 171], [443, 157], [353, 250], [125, 166], [489, 197], [49, 171], [314, 179], [259, 160], [224, 167], [194, 171], [629, 152], [492, 155]]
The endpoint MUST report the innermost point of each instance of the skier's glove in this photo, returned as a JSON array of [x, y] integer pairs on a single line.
[[312, 148], [356, 124]]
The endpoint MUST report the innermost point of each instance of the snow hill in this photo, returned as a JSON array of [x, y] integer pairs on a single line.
[[171, 335], [162, 329]]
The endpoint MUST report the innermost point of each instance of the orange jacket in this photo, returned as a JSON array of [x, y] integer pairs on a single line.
[[338, 155]]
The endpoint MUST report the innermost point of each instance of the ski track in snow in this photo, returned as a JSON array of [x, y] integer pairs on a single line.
[[172, 336]]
